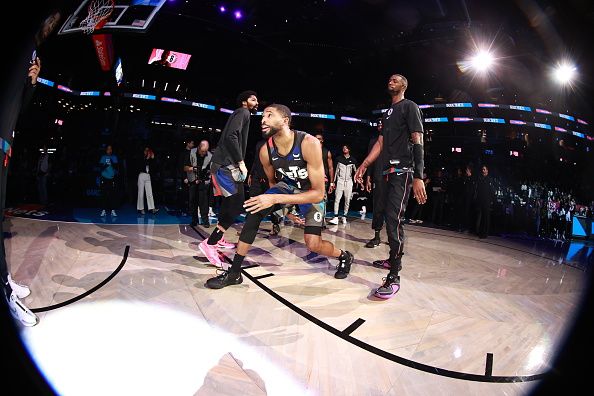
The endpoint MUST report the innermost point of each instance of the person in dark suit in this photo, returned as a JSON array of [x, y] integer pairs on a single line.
[[484, 199]]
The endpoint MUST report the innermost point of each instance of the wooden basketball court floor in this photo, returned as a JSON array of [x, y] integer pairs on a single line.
[[123, 310]]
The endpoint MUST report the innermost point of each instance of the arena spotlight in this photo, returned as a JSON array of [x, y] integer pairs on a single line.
[[564, 73], [222, 9], [238, 14], [481, 62]]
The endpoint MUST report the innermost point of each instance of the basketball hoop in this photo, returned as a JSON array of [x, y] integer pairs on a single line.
[[99, 13]]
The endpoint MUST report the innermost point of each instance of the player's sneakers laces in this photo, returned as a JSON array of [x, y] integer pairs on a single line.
[[344, 265], [390, 287], [223, 244], [373, 243], [224, 279], [333, 220], [20, 312], [211, 253], [21, 291], [385, 263]]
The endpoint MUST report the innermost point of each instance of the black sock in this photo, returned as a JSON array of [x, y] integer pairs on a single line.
[[343, 255], [216, 236], [377, 234], [237, 261]]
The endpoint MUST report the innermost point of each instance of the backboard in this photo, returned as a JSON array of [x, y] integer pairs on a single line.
[[127, 16]]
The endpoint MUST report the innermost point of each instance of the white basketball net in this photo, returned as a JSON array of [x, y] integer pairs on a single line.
[[98, 11]]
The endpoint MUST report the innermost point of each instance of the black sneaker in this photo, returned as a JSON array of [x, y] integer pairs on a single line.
[[390, 287], [225, 279], [373, 243], [385, 263], [344, 265], [206, 223], [275, 229]]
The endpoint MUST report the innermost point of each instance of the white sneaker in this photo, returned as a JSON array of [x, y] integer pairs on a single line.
[[363, 210], [21, 291], [21, 312], [333, 220], [211, 213], [103, 213], [344, 220], [113, 213]]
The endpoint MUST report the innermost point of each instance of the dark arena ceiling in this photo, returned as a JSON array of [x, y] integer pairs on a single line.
[[338, 54]]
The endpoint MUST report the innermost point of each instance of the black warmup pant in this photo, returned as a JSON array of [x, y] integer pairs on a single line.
[[231, 207], [459, 220], [414, 211], [193, 201], [437, 210], [483, 220], [182, 197], [108, 192], [467, 221], [398, 191], [203, 196], [379, 202]]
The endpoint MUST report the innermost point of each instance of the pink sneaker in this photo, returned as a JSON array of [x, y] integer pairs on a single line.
[[211, 253], [223, 244], [390, 287]]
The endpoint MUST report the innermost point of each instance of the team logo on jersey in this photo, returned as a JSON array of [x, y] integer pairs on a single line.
[[318, 217], [294, 172]]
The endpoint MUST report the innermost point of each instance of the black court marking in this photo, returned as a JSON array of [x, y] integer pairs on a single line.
[[90, 291], [354, 326], [261, 276], [489, 365], [387, 355]]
